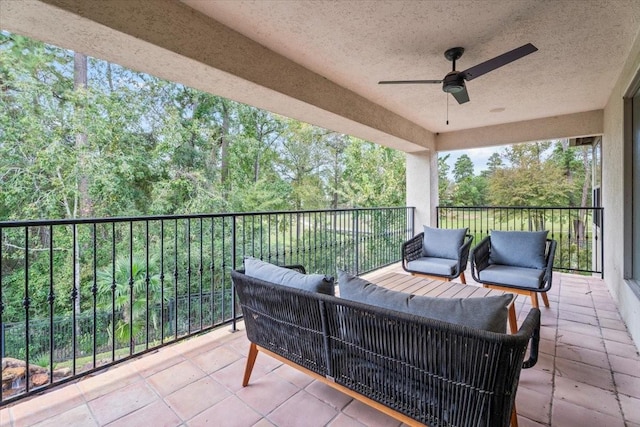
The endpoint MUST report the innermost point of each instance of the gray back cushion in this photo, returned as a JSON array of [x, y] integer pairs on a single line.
[[442, 242], [519, 248], [283, 276], [489, 313]]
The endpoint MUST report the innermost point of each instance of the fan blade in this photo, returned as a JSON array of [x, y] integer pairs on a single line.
[[498, 61], [462, 96], [407, 82]]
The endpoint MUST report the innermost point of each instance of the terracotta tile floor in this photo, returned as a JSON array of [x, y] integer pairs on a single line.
[[588, 374]]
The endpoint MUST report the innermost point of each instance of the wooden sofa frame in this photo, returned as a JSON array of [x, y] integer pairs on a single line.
[[418, 370]]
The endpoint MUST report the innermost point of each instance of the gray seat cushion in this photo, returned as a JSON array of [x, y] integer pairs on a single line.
[[489, 313], [517, 276], [442, 242], [283, 276], [519, 248], [435, 266]]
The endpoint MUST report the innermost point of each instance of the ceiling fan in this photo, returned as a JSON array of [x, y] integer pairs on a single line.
[[453, 82]]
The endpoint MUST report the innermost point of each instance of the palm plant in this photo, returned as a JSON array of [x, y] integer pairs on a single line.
[[125, 289]]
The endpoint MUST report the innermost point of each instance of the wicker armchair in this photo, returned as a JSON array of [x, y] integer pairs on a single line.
[[514, 278], [415, 262]]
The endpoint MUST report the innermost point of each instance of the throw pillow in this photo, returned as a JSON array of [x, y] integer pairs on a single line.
[[283, 276], [519, 248], [488, 313], [443, 242]]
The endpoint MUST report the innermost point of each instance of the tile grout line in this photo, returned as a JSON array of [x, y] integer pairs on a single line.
[[555, 352], [86, 403], [606, 351], [142, 379], [15, 422]]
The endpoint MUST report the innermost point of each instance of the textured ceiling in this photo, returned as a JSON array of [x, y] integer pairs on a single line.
[[582, 46]]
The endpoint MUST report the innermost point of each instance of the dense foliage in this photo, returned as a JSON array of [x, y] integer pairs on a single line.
[[126, 143]]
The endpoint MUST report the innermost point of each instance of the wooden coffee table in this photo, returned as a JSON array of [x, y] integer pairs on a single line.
[[417, 285]]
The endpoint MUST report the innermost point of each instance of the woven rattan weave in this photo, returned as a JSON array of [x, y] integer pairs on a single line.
[[431, 372]]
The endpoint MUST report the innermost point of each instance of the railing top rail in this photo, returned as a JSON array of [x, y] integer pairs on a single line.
[[520, 207], [70, 221]]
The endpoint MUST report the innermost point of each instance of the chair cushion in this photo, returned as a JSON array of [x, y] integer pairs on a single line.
[[519, 248], [435, 266], [517, 276], [283, 276], [489, 313], [442, 242]]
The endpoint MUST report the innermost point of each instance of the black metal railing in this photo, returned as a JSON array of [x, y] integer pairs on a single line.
[[578, 230], [79, 295]]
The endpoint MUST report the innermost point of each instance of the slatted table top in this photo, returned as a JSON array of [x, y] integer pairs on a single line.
[[417, 285]]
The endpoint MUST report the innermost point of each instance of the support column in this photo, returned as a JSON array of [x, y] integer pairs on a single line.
[[422, 187]]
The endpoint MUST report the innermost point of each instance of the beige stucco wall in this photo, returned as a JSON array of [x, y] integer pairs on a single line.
[[422, 187], [614, 176], [586, 123]]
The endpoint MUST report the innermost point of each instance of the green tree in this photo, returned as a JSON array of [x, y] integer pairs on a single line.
[[374, 175], [531, 180], [494, 163], [255, 182], [463, 168], [576, 164], [444, 183], [302, 156], [336, 147], [469, 190], [260, 132], [37, 159]]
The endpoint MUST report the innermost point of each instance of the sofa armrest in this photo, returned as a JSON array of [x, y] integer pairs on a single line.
[[548, 275], [412, 249], [531, 327], [480, 257], [295, 267], [463, 253]]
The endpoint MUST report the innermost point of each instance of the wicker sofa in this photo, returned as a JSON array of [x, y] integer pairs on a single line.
[[416, 369]]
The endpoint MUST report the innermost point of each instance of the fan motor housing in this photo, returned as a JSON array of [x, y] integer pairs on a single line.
[[453, 82]]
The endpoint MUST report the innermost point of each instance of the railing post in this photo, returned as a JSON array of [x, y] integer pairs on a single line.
[[356, 246], [26, 304], [234, 327], [601, 213], [2, 341], [412, 231]]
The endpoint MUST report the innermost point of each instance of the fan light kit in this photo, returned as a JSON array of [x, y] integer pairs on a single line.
[[453, 82]]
